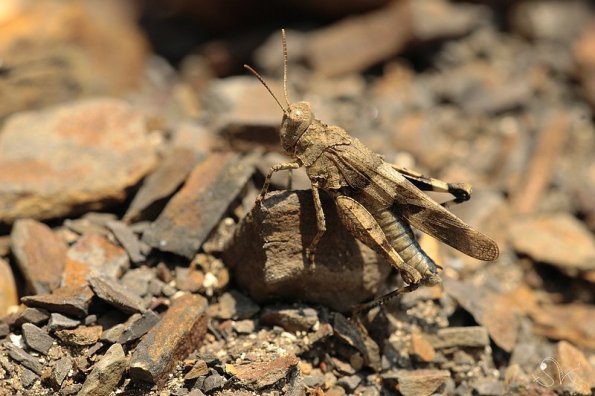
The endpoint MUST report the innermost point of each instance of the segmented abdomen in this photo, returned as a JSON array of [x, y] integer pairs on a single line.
[[400, 235]]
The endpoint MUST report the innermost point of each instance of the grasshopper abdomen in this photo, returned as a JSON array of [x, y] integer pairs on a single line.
[[401, 237]]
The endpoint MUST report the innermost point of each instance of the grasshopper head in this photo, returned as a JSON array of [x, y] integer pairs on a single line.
[[297, 117], [296, 120]]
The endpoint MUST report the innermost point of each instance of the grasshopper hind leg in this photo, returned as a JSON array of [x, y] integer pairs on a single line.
[[360, 308], [363, 226]]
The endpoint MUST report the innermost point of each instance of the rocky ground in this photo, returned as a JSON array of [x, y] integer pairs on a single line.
[[133, 145]]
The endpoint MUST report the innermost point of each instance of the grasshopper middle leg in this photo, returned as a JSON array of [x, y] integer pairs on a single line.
[[320, 223]]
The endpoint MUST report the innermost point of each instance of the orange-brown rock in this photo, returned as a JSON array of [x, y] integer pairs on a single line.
[[56, 51], [8, 289], [40, 255], [179, 332], [70, 158]]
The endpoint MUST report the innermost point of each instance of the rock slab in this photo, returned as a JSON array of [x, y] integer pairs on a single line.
[[267, 254], [196, 209], [72, 157], [106, 373], [179, 332], [40, 254]]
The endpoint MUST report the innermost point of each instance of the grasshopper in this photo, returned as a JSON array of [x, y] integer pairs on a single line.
[[377, 202]]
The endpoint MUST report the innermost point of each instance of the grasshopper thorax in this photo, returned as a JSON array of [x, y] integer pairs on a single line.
[[296, 120]]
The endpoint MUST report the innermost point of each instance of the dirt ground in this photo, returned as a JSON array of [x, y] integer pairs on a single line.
[[134, 144]]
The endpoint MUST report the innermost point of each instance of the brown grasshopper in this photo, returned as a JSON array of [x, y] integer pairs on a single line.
[[375, 201]]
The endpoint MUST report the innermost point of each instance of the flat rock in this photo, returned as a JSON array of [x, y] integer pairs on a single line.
[[27, 378], [267, 254], [4, 329], [251, 118], [32, 315], [137, 280], [290, 318], [60, 372], [118, 296], [40, 254], [498, 313], [361, 41], [440, 19], [549, 20], [128, 240], [62, 160], [489, 386], [37, 338], [349, 333], [23, 358], [91, 255], [179, 332], [72, 301], [259, 375], [422, 348], [213, 382], [139, 327], [585, 59], [234, 305], [8, 290], [423, 382], [559, 239], [197, 208], [473, 336], [572, 360], [72, 55], [349, 382], [199, 369], [572, 322], [106, 373], [58, 321], [114, 329], [190, 279], [90, 223], [81, 336], [163, 182]]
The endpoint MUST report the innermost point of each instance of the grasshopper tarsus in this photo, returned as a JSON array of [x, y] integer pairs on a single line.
[[358, 309], [461, 191]]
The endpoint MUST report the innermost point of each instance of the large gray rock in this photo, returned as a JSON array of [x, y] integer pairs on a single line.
[[267, 255]]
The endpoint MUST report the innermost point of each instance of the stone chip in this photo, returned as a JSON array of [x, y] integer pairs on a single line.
[[179, 332], [36, 338], [106, 373], [118, 296], [72, 301], [40, 254], [195, 210]]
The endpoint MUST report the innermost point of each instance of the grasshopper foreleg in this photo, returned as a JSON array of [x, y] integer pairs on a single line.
[[267, 180]]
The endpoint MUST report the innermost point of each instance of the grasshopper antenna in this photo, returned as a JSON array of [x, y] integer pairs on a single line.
[[251, 70], [284, 41]]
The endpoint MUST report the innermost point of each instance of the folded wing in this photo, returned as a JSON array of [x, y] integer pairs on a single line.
[[365, 171]]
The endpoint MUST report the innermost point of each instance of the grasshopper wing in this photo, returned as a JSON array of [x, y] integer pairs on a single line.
[[368, 174]]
